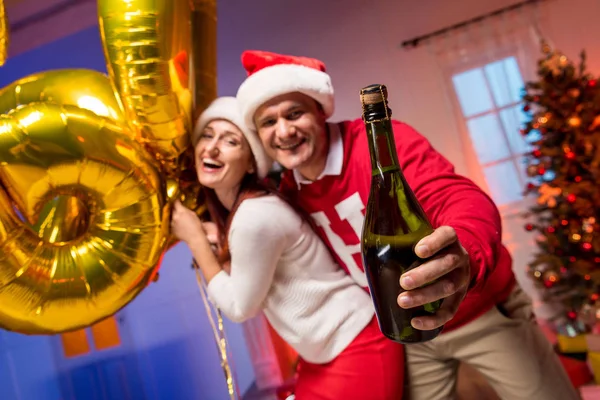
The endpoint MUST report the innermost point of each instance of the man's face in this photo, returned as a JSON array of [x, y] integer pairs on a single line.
[[292, 130]]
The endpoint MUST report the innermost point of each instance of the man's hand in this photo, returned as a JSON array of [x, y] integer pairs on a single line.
[[449, 265]]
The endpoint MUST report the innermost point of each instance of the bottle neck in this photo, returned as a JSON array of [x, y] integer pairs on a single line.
[[382, 146]]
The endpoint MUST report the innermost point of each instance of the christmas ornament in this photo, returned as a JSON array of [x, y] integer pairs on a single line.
[[595, 123], [588, 147], [548, 195], [575, 122], [544, 119], [532, 170], [556, 63], [588, 224], [549, 279]]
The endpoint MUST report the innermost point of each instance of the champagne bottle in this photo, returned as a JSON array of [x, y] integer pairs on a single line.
[[394, 223]]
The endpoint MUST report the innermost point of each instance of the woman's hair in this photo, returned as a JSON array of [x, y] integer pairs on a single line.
[[250, 187]]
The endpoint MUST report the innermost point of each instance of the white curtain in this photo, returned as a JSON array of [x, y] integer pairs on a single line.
[[516, 33], [489, 39]]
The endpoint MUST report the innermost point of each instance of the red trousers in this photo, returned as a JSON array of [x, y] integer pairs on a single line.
[[370, 368]]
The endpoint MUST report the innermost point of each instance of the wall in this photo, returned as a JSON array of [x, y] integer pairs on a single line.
[[359, 41]]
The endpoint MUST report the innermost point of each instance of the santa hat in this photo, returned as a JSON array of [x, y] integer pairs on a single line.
[[227, 108], [271, 75]]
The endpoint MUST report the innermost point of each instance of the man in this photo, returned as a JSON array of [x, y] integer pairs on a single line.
[[488, 319]]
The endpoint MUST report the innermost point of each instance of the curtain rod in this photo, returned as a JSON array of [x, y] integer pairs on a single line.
[[414, 42]]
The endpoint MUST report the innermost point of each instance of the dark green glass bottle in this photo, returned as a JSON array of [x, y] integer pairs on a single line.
[[394, 224]]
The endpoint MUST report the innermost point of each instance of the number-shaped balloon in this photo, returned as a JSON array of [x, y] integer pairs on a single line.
[[83, 208], [149, 47], [89, 165]]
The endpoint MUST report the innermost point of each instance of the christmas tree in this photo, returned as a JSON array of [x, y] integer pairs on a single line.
[[564, 133]]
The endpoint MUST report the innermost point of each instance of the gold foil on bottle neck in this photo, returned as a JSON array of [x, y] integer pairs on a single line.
[[373, 97]]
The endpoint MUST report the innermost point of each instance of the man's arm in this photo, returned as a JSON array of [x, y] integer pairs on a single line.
[[451, 200], [462, 251]]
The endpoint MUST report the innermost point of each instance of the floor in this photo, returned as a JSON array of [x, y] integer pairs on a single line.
[[471, 386]]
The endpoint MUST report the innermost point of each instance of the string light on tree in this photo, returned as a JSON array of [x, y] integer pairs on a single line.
[[563, 130]]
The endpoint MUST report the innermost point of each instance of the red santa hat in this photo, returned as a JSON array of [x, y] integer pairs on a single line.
[[271, 75], [227, 108]]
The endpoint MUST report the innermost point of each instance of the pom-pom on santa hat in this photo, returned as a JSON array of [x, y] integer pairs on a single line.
[[271, 75], [227, 108]]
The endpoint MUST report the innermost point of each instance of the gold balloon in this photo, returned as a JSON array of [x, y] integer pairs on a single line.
[[90, 165], [83, 210], [82, 88], [146, 58], [89, 170], [4, 38], [149, 51]]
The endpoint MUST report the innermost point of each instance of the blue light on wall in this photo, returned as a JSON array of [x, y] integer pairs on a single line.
[[81, 50]]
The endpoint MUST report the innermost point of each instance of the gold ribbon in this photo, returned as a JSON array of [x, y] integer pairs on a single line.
[[4, 37], [219, 333]]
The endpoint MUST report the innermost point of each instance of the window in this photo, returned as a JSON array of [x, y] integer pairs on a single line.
[[490, 101]]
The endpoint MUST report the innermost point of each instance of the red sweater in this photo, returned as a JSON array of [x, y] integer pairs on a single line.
[[337, 204]]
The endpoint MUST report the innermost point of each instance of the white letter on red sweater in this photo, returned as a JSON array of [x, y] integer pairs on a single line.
[[349, 210]]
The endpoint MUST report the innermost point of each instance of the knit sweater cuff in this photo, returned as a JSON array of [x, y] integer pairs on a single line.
[[217, 287], [473, 249]]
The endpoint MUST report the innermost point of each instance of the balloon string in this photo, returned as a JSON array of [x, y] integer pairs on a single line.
[[219, 332], [4, 34]]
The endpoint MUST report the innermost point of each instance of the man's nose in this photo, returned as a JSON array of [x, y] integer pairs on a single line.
[[285, 129]]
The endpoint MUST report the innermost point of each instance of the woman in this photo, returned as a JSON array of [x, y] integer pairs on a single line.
[[278, 265]]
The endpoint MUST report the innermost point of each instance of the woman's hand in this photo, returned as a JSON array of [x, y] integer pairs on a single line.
[[212, 234], [186, 225]]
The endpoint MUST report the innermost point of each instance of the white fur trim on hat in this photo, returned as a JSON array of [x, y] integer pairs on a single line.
[[227, 108], [280, 79]]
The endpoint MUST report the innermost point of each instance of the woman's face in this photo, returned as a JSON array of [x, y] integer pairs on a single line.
[[223, 156]]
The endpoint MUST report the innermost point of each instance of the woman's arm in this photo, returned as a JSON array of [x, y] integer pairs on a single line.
[[187, 227], [259, 234], [212, 234]]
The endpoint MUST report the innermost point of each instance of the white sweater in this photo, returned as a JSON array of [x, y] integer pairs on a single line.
[[280, 266]]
